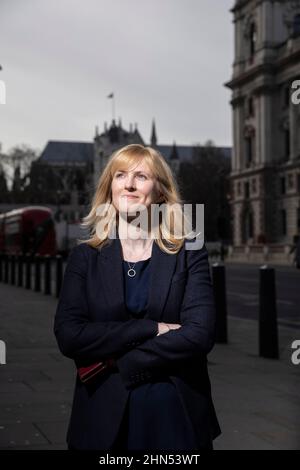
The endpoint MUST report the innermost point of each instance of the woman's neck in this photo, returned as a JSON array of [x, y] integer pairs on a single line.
[[137, 248]]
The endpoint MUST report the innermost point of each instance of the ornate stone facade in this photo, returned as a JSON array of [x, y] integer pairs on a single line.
[[265, 173]]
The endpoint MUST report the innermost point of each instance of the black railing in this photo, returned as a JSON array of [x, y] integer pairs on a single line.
[[40, 273]]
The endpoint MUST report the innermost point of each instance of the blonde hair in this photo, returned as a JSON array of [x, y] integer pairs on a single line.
[[122, 159]]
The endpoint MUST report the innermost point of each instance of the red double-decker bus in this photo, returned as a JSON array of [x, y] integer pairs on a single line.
[[28, 230]]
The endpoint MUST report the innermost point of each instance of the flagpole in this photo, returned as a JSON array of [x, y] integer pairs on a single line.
[[113, 106], [111, 96]]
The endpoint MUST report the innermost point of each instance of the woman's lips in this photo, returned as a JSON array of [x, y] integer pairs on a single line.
[[131, 197]]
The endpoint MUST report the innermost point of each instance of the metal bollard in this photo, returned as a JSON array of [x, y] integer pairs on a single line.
[[13, 270], [37, 273], [1, 267], [268, 330], [47, 274], [6, 268], [219, 289], [20, 270], [28, 271], [59, 274]]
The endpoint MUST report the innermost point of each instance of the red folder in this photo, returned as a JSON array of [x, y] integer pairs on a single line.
[[87, 373]]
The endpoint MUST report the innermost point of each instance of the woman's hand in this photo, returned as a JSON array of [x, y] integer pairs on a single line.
[[173, 326], [166, 327]]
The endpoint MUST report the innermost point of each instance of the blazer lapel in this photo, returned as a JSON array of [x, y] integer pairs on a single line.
[[111, 275], [162, 266]]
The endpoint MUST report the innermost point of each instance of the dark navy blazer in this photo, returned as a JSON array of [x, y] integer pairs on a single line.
[[92, 324]]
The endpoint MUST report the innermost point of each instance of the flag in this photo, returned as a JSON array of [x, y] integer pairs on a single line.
[[110, 96]]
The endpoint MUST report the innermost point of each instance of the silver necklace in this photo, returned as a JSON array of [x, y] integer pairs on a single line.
[[131, 271]]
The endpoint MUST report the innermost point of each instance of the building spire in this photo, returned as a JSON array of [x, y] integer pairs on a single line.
[[153, 134], [174, 153]]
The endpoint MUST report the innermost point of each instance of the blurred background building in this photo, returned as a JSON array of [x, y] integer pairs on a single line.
[[265, 174]]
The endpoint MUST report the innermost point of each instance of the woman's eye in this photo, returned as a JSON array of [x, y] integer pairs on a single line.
[[142, 176]]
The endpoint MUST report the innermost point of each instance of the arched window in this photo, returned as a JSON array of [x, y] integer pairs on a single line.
[[296, 25]]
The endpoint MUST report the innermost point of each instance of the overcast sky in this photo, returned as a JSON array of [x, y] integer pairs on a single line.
[[163, 59]]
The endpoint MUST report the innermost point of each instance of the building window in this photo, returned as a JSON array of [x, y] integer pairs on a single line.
[[250, 107], [238, 188], [283, 221], [298, 220], [249, 149], [286, 96], [247, 225], [287, 143], [247, 190], [296, 25], [252, 39], [298, 182], [290, 181], [282, 185], [253, 187]]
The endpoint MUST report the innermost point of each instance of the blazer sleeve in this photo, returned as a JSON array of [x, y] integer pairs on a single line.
[[84, 340], [196, 335]]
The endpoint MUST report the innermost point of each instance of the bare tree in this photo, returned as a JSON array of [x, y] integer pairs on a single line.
[[16, 164]]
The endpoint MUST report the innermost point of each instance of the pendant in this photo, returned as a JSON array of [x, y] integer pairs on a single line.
[[131, 272]]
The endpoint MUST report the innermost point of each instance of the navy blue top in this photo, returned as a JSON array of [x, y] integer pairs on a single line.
[[155, 416], [137, 287]]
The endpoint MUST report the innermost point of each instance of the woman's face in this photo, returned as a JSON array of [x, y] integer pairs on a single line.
[[133, 187]]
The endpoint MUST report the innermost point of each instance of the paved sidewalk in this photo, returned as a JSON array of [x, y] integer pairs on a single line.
[[257, 400]]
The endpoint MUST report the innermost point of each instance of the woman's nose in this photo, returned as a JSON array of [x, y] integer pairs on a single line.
[[129, 181]]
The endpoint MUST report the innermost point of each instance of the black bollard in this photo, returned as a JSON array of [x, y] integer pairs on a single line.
[[28, 271], [59, 274], [47, 275], [6, 268], [13, 270], [37, 273], [268, 331], [20, 270], [219, 289]]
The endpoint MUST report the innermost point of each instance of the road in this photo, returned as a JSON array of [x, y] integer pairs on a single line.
[[242, 283]]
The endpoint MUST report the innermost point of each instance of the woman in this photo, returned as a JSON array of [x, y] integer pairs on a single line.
[[144, 301]]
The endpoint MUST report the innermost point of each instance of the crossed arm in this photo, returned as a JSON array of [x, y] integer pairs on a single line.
[[138, 351]]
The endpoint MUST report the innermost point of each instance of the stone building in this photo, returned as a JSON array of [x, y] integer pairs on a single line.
[[265, 173]]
